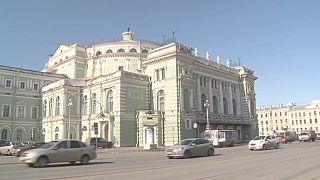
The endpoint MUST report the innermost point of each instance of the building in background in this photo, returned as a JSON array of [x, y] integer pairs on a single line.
[[21, 103], [134, 93], [289, 117]]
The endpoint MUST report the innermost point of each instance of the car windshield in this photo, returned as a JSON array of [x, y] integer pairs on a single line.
[[18, 144], [48, 145], [304, 133], [185, 142], [259, 137]]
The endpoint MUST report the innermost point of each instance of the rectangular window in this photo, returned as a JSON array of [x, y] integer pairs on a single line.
[[310, 120], [34, 113], [157, 75], [285, 113], [163, 73], [292, 122], [261, 122], [315, 112], [280, 114], [120, 68], [316, 128], [22, 85], [6, 110], [261, 116], [187, 124], [315, 120], [304, 122], [35, 86], [20, 112], [8, 83], [304, 113]]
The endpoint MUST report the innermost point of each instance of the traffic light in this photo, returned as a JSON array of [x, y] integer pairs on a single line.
[[95, 126]]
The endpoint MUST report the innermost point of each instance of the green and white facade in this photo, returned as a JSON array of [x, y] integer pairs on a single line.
[[141, 93], [21, 103]]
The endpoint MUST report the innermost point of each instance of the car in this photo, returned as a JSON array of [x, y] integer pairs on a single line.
[[192, 147], [8, 147], [287, 139], [264, 142], [100, 142], [19, 150], [59, 151], [2, 141]]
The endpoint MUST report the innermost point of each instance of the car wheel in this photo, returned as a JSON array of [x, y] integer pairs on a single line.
[[42, 161], [186, 154], [277, 146], [84, 159], [30, 165], [170, 157], [210, 152], [264, 147], [220, 145], [72, 162], [103, 147], [9, 153]]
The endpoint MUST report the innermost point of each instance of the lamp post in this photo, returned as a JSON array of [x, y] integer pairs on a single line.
[[206, 104], [69, 105]]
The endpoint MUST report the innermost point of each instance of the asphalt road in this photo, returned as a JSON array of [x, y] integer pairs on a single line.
[[296, 161]]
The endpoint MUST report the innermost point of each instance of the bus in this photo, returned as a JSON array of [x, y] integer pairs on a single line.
[[221, 137]]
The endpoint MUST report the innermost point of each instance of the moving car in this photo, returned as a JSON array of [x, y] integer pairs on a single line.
[[19, 150], [263, 143], [99, 141], [8, 147], [190, 148], [287, 139], [59, 151]]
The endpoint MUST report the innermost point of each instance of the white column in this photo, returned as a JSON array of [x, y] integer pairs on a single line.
[[230, 99], [238, 100], [221, 109], [199, 105], [210, 96]]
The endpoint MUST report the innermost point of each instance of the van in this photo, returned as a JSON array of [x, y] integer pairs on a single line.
[[307, 136]]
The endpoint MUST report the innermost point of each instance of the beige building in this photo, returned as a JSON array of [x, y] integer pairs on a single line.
[[140, 93], [289, 117]]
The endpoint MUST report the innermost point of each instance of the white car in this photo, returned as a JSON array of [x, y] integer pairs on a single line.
[[263, 143], [8, 147]]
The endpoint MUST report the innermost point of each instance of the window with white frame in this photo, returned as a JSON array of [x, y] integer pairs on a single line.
[[22, 85], [35, 86], [34, 112], [58, 105], [163, 73], [50, 107], [157, 73], [110, 101], [161, 100], [188, 124], [85, 105], [6, 110], [8, 83], [94, 103], [20, 111]]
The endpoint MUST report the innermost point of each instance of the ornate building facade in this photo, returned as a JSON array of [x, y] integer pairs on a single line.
[[21, 103], [139, 93]]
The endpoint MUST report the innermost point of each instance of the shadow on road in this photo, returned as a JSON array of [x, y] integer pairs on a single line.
[[76, 164]]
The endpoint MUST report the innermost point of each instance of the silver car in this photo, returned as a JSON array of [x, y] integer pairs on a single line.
[[263, 143], [190, 148], [59, 151]]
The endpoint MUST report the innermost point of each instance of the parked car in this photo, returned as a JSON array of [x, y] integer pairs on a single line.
[[59, 151], [2, 141], [307, 136], [8, 147], [19, 150], [263, 143], [100, 142], [190, 148]]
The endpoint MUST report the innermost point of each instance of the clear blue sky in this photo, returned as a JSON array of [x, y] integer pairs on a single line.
[[279, 40]]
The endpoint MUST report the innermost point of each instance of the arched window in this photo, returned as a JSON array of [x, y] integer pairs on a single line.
[[45, 108], [94, 103], [84, 128], [4, 134], [110, 101], [215, 104], [133, 50], [98, 53], [19, 135], [186, 100], [225, 105], [203, 101], [50, 107], [58, 105], [109, 51], [234, 105], [120, 50], [56, 129], [161, 99], [144, 51], [85, 105]]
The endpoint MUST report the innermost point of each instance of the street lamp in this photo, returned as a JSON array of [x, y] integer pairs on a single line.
[[69, 105], [207, 108]]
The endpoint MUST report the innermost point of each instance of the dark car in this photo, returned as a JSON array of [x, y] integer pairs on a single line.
[[287, 139], [2, 141], [100, 142], [19, 150]]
